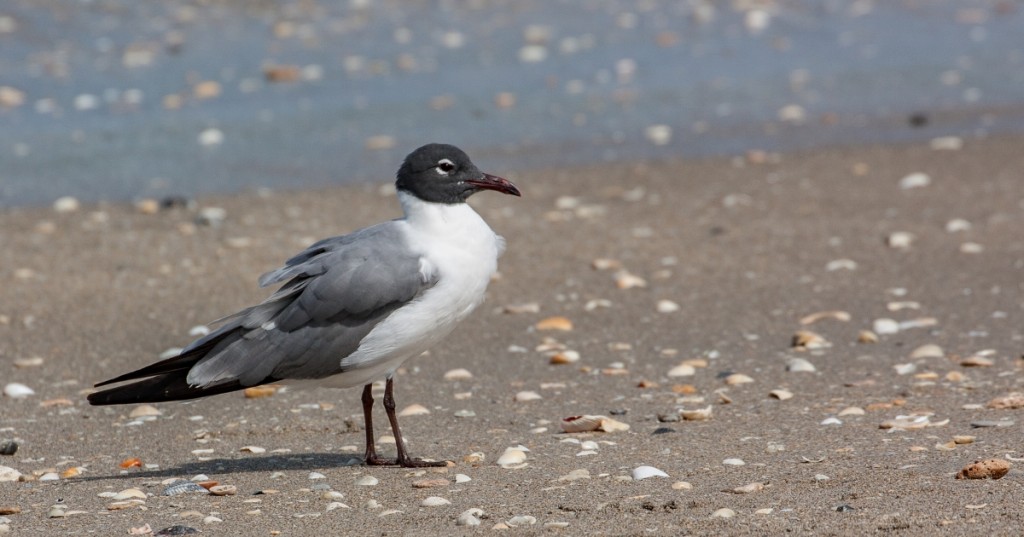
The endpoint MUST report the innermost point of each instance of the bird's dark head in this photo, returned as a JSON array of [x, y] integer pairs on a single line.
[[442, 173]]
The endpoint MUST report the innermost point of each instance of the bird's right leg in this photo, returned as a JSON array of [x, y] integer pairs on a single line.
[[371, 457]]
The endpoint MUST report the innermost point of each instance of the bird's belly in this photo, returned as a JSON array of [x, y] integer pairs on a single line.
[[424, 322]]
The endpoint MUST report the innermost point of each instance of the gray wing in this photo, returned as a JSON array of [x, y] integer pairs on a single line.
[[336, 292]]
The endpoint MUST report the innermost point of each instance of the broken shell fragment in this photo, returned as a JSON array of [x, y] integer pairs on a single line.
[[807, 340], [984, 469], [585, 423], [833, 314], [627, 280], [565, 357], [701, 414], [976, 361], [781, 395], [554, 323], [1010, 401], [737, 378]]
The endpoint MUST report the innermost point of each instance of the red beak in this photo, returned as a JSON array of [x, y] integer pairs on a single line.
[[493, 182]]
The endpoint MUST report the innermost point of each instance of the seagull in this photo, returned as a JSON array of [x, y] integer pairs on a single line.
[[352, 308]]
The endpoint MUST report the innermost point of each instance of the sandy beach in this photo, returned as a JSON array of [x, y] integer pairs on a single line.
[[722, 260]]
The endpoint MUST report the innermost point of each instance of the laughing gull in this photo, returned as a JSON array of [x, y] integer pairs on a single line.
[[353, 308]]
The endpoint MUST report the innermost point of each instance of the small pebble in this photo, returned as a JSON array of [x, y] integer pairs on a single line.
[[8, 447], [985, 469]]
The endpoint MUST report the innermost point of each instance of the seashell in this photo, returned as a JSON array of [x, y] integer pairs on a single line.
[[831, 421], [470, 517], [434, 501], [22, 363], [521, 520], [144, 410], [414, 410], [74, 471], [682, 370], [899, 239], [367, 481], [458, 374], [957, 224], [976, 361], [252, 449], [738, 378], [9, 474], [962, 439], [529, 307], [799, 365], [838, 315], [223, 490], [17, 390], [867, 336], [627, 280], [667, 306], [184, 487], [781, 395], [128, 494], [429, 483], [512, 458], [984, 469], [748, 488], [921, 322], [734, 462], [133, 462], [474, 458], [1011, 401], [807, 340], [565, 357], [915, 180], [930, 350], [885, 326], [525, 396], [905, 369], [605, 264], [841, 264], [852, 411], [643, 472], [257, 392], [554, 323], [701, 414], [724, 512]]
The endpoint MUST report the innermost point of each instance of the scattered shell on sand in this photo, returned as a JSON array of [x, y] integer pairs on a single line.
[[682, 370], [257, 392], [781, 395], [144, 411], [738, 378], [458, 374], [414, 410], [184, 487], [512, 458], [900, 239], [17, 390], [799, 365], [66, 204], [430, 483], [627, 280], [643, 472], [957, 224], [602, 263], [885, 326], [911, 422], [807, 340], [128, 494], [831, 421], [841, 264], [554, 323], [838, 315], [565, 357], [8, 474], [1010, 401], [434, 501], [724, 512], [24, 363], [525, 396], [367, 481], [584, 423], [867, 336], [667, 306], [700, 414], [929, 350], [253, 449], [529, 307], [852, 411], [734, 462], [977, 360], [223, 490], [915, 180], [470, 517], [984, 469], [748, 488]]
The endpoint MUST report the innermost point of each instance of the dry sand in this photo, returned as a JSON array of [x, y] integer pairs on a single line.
[[743, 247]]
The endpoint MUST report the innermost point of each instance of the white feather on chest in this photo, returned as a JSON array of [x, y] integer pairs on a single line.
[[459, 249]]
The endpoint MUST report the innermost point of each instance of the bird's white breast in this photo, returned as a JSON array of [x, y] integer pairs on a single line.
[[461, 251]]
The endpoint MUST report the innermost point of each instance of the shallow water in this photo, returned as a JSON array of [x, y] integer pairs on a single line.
[[115, 94]]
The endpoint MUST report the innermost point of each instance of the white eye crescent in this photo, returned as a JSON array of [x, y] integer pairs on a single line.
[[444, 166]]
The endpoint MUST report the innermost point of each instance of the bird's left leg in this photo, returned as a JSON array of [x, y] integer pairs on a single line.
[[403, 458]]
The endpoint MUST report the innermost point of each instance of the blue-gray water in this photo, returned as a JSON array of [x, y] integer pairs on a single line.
[[109, 106]]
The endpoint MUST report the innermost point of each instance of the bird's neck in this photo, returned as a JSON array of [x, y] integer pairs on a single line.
[[438, 217]]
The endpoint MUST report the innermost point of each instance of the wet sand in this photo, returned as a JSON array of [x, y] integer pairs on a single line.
[[742, 246]]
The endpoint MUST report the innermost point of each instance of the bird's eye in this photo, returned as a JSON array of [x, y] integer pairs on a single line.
[[445, 166]]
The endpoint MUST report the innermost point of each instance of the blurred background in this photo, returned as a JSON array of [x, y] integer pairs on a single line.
[[122, 100]]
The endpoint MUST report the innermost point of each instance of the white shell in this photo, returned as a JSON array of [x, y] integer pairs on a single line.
[[8, 474], [799, 365], [413, 410], [434, 501], [511, 458], [367, 481], [527, 396], [17, 390], [700, 414], [643, 472], [885, 326], [682, 370], [470, 517]]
